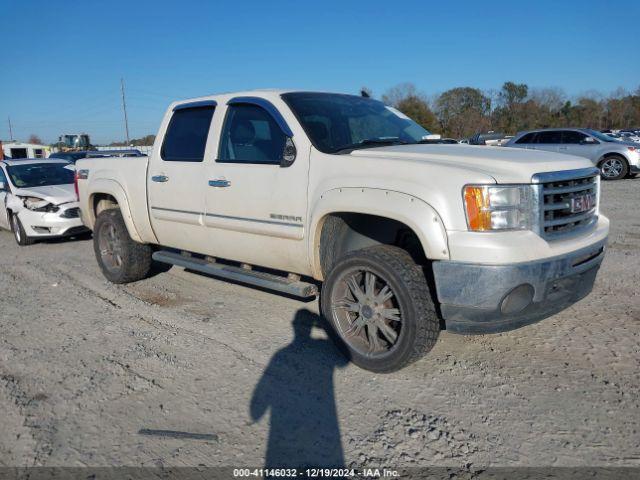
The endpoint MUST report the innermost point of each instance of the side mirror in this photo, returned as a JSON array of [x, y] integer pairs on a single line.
[[288, 154], [589, 141], [3, 187]]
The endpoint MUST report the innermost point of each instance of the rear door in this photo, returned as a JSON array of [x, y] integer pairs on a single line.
[[176, 176], [549, 140]]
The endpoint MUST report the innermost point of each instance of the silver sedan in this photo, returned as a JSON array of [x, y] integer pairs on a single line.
[[616, 159]]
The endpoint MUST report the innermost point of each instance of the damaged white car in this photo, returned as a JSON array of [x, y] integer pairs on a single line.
[[38, 199]]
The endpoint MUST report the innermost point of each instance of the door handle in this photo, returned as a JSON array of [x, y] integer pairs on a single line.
[[562, 148], [160, 178], [219, 182]]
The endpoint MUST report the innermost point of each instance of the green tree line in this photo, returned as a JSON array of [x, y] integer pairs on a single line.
[[463, 111], [136, 142]]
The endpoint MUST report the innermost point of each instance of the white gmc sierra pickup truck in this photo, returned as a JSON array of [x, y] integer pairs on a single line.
[[291, 190]]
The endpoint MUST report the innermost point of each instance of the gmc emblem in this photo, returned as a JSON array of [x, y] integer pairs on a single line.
[[583, 203]]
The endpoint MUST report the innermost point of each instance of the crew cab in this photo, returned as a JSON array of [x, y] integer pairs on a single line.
[[339, 196]]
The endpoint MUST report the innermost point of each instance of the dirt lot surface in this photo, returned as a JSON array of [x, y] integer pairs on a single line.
[[182, 369]]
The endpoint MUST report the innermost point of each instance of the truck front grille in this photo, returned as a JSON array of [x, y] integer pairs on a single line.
[[568, 204]]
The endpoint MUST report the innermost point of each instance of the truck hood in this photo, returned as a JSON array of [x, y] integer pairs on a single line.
[[505, 165], [55, 194]]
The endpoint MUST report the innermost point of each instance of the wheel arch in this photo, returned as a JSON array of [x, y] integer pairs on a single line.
[[608, 155], [613, 154], [352, 218], [106, 193]]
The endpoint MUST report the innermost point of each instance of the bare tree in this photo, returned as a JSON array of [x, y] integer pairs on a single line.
[[33, 138], [406, 98]]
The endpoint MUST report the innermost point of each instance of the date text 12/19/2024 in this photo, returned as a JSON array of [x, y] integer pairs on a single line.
[[314, 473]]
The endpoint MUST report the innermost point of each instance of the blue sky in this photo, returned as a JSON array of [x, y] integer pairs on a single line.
[[62, 60]]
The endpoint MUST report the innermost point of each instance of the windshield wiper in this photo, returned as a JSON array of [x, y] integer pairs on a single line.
[[371, 142]]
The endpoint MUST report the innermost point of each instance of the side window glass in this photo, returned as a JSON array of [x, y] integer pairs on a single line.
[[251, 135], [186, 137], [528, 138], [572, 137], [549, 137]]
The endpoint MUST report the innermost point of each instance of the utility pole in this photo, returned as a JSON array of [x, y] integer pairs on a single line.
[[124, 108], [10, 129]]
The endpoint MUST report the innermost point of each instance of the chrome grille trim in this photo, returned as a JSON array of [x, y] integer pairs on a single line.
[[555, 191], [564, 175]]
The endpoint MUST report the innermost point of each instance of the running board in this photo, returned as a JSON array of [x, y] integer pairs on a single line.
[[291, 286]]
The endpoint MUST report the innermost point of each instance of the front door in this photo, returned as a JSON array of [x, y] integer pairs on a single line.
[[578, 143], [255, 207], [4, 219], [175, 178]]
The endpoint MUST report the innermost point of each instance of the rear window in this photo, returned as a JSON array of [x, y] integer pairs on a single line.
[[186, 136]]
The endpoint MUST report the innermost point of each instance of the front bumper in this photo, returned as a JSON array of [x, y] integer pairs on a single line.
[[634, 169], [475, 298], [64, 222]]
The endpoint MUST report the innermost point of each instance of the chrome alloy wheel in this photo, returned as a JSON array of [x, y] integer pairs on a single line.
[[110, 246], [16, 227], [366, 312], [612, 168]]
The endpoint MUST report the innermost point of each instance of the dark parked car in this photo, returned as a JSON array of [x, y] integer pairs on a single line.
[[71, 156], [489, 138], [74, 156]]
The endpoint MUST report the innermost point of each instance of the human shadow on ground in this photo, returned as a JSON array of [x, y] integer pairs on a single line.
[[297, 389]]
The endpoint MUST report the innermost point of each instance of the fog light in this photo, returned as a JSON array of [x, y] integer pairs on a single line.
[[517, 299]]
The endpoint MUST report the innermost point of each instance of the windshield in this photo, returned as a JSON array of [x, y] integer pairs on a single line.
[[336, 122], [600, 136], [40, 174]]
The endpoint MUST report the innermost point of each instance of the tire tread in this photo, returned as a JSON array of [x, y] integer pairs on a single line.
[[137, 256], [412, 277]]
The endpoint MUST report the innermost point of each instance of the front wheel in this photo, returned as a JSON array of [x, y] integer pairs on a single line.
[[613, 168], [18, 232], [379, 304], [121, 259]]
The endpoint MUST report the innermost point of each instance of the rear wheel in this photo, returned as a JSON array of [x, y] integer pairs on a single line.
[[121, 259], [379, 304], [18, 232], [613, 168]]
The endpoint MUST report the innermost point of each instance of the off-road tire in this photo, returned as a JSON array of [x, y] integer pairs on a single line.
[[136, 259], [420, 323], [18, 232], [624, 170]]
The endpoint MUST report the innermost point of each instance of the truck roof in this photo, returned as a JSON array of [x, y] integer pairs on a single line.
[[268, 93]]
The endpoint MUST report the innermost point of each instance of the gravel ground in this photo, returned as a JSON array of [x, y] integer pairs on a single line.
[[182, 370]]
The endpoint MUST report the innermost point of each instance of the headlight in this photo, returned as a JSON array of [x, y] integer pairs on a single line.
[[497, 207], [39, 205]]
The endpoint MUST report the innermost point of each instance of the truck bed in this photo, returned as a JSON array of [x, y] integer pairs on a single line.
[[125, 178]]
